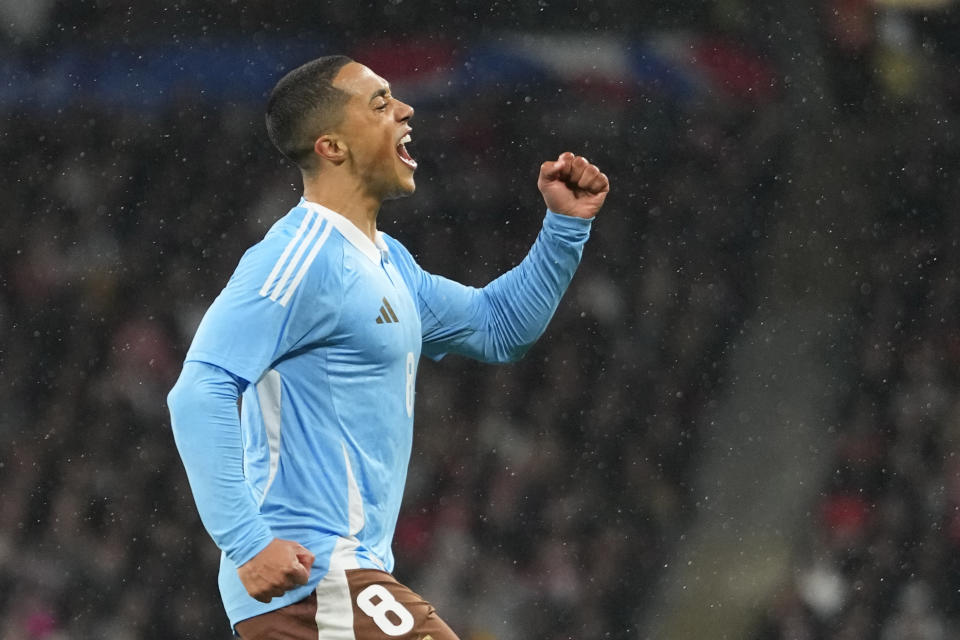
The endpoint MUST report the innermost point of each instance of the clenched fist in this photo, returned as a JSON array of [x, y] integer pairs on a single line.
[[572, 186], [281, 566]]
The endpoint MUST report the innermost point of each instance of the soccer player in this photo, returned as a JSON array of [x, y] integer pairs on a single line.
[[319, 331]]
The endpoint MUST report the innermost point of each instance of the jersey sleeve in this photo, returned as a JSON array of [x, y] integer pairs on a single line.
[[285, 293], [275, 302], [206, 429], [499, 322]]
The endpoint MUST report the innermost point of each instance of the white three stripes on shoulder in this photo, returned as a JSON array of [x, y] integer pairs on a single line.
[[286, 252], [301, 242], [305, 235]]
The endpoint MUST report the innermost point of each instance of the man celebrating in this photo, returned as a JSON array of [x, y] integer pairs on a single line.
[[320, 330]]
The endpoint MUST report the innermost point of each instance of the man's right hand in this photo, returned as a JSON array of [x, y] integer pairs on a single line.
[[281, 566]]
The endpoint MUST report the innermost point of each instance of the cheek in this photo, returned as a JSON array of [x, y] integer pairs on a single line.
[[372, 155], [374, 150], [377, 149], [388, 149]]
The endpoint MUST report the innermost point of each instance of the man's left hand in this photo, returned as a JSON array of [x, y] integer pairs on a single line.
[[572, 186]]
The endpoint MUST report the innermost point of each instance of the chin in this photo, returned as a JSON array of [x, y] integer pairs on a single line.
[[402, 190]]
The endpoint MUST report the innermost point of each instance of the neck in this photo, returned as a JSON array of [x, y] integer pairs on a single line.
[[345, 196]]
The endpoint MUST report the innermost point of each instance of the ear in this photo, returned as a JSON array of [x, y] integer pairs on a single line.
[[331, 148]]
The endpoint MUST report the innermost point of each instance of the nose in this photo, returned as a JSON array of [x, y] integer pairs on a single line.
[[404, 111]]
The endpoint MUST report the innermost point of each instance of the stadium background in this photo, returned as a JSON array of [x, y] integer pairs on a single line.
[[742, 423]]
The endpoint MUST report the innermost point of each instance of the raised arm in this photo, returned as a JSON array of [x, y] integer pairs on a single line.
[[500, 322]]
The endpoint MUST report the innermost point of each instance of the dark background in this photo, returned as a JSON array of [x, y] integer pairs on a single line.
[[764, 159]]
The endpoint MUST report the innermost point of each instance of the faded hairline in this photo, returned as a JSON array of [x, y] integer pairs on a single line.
[[304, 105]]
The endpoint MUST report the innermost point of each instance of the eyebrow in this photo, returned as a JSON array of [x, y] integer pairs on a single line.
[[379, 93]]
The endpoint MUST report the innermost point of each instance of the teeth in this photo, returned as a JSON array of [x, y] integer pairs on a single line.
[[405, 139]]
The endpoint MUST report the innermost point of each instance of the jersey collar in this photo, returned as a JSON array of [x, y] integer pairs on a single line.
[[348, 230]]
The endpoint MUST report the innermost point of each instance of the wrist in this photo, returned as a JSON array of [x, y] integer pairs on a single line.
[[251, 548], [567, 228], [569, 218]]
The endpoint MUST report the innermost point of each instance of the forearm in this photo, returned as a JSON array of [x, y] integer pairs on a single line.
[[521, 302], [206, 428]]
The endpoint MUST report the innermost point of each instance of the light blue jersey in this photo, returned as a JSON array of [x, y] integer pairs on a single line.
[[321, 330]]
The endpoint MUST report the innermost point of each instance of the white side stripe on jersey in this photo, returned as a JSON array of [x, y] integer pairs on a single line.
[[306, 265], [356, 518], [270, 395], [286, 252]]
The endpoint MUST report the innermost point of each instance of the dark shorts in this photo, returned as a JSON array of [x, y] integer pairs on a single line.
[[357, 604]]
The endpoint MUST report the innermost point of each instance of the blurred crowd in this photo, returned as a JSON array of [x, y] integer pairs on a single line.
[[880, 556], [543, 496]]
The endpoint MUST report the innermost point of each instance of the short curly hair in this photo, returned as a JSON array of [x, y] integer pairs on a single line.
[[303, 106]]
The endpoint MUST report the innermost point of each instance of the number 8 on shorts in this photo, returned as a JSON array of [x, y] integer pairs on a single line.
[[387, 613]]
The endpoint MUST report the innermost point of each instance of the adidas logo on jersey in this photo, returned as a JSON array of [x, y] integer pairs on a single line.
[[387, 315]]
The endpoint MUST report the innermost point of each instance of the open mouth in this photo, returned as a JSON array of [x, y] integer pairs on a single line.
[[402, 152]]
